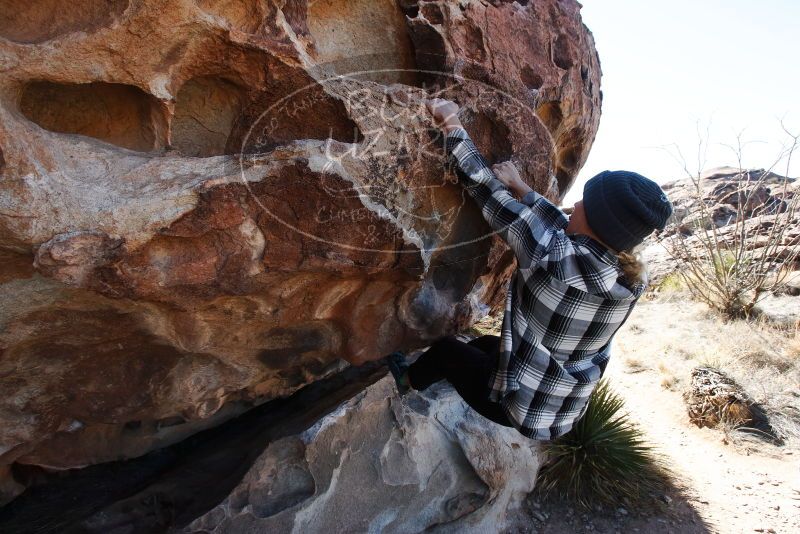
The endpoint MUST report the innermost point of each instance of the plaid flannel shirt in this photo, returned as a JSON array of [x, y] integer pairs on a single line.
[[565, 302]]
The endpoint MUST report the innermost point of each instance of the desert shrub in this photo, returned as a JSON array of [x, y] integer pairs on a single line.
[[732, 263], [603, 459], [727, 272]]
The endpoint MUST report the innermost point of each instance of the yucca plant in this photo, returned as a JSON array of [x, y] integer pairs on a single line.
[[603, 459]]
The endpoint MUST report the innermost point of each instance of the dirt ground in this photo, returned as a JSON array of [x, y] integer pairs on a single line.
[[729, 482]]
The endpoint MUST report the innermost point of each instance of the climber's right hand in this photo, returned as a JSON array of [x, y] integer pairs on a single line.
[[509, 176]]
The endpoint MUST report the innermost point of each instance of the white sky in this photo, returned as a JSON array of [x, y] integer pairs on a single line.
[[732, 64]]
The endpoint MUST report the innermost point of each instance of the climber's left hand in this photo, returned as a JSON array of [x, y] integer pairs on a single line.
[[445, 113]]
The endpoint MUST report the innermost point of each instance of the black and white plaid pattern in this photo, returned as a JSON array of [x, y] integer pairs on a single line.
[[565, 301]]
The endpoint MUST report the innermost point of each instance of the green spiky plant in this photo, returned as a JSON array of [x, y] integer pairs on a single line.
[[603, 459]]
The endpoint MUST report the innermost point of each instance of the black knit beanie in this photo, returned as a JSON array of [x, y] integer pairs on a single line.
[[624, 207]]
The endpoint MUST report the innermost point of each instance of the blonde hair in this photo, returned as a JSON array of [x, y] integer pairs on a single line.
[[633, 268]]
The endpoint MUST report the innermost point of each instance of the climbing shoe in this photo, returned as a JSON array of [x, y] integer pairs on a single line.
[[399, 369]]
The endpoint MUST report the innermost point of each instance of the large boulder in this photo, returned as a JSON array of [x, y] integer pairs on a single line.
[[197, 212], [382, 463]]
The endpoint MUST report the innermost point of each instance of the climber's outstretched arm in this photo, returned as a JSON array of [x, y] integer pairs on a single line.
[[528, 226]]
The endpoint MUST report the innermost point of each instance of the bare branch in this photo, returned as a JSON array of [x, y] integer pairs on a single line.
[[732, 266]]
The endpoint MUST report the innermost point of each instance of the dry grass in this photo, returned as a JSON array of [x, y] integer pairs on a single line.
[[670, 382], [674, 336], [668, 379], [634, 365], [672, 283], [792, 350]]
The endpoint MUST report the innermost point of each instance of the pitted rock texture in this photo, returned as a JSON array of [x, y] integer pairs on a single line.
[[195, 209], [383, 463]]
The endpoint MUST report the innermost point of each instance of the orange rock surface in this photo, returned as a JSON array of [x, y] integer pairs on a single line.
[[206, 204]]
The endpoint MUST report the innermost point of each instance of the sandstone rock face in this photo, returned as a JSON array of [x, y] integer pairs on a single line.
[[382, 463], [196, 210]]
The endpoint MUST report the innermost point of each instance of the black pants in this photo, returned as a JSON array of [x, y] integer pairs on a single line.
[[465, 365]]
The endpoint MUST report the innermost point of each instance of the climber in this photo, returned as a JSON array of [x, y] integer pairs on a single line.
[[576, 282]]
